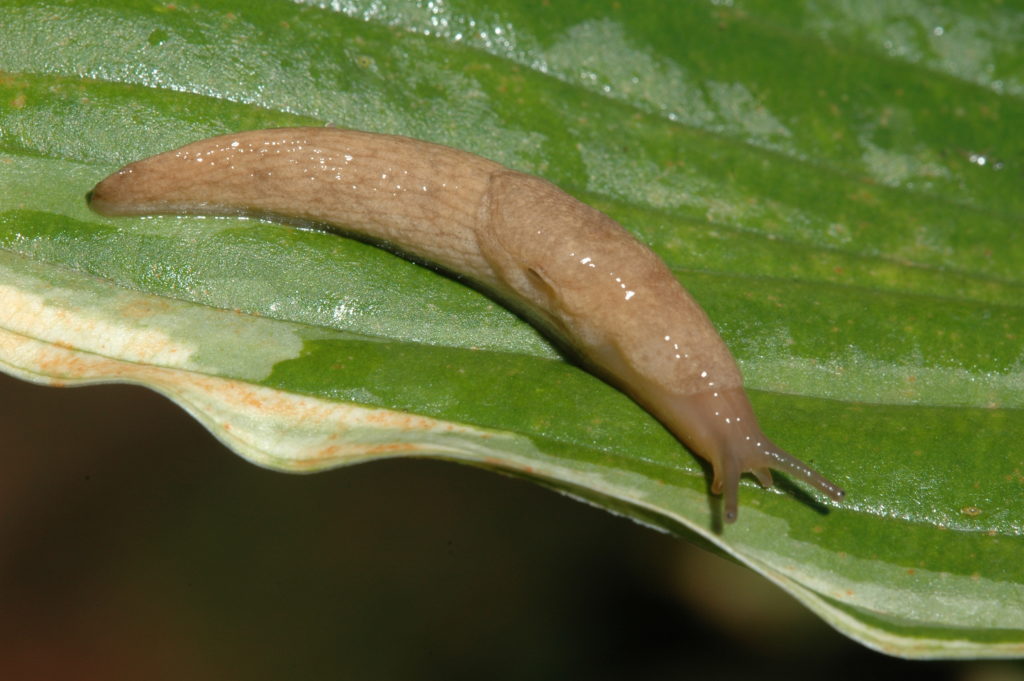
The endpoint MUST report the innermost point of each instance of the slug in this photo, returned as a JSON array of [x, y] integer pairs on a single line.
[[564, 265]]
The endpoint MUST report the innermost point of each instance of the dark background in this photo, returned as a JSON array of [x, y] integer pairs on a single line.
[[135, 546]]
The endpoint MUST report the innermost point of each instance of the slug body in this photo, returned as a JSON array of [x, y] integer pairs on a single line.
[[566, 266]]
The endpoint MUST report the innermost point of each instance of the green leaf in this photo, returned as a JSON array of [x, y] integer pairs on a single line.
[[839, 184]]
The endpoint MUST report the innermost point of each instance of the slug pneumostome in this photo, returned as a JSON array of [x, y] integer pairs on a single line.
[[567, 267]]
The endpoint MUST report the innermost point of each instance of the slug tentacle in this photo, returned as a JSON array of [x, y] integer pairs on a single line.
[[565, 265], [722, 422]]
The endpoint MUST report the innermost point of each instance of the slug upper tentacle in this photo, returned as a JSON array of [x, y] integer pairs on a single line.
[[566, 266]]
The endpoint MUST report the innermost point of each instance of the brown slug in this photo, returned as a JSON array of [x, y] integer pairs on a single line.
[[566, 266]]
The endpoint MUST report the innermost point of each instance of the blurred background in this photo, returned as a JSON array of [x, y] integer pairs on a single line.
[[135, 546]]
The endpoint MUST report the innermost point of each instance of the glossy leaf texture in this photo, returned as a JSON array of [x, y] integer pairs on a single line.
[[839, 185]]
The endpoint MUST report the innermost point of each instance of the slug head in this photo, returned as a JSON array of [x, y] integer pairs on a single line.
[[720, 426]]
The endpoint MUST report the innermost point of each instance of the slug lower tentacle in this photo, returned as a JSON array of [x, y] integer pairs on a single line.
[[566, 266]]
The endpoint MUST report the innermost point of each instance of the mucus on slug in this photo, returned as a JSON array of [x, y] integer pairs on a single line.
[[560, 262]]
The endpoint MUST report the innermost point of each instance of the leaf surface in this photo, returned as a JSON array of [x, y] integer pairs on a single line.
[[838, 185]]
